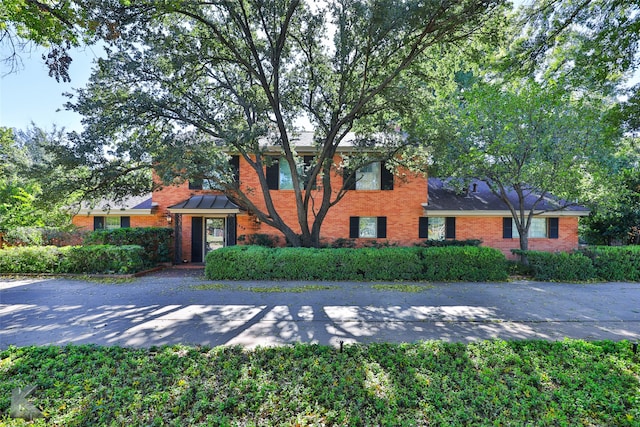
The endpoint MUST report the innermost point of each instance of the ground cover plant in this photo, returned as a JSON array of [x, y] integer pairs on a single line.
[[534, 383]]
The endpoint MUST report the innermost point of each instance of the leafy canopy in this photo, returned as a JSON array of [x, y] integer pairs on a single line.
[[186, 83]]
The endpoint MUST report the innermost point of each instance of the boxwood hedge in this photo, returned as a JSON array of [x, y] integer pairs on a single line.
[[102, 259], [389, 263], [611, 263], [157, 241], [615, 263]]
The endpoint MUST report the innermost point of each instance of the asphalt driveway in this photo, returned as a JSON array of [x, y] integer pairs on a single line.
[[181, 306]]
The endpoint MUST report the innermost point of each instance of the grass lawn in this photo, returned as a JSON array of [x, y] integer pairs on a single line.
[[572, 383]]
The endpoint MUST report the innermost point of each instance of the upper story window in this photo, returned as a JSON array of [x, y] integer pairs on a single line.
[[368, 177], [374, 176], [278, 173], [211, 183]]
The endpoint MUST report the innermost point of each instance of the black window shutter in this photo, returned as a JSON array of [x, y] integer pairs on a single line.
[[423, 227], [354, 227], [195, 184], [450, 228], [273, 174], [125, 222], [234, 162], [382, 227], [196, 239], [231, 230], [554, 227], [507, 228], [348, 179], [98, 222], [386, 178]]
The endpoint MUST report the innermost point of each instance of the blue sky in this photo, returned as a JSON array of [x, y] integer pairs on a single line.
[[29, 94]]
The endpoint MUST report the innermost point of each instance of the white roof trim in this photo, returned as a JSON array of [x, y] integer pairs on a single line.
[[502, 213], [114, 212]]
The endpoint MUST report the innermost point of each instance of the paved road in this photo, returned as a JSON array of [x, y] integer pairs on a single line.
[[167, 308]]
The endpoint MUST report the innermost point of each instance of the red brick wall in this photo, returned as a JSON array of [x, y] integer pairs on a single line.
[[85, 222], [489, 230], [401, 206]]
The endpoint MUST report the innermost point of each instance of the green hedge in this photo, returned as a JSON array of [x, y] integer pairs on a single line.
[[593, 263], [101, 259], [31, 259], [157, 241], [615, 263], [392, 263], [560, 266]]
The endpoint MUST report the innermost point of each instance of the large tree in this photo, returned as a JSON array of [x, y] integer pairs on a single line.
[[188, 80], [543, 143], [26, 199]]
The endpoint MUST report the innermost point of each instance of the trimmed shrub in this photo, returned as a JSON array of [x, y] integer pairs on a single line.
[[260, 239], [446, 243], [560, 266], [103, 259], [391, 263], [156, 241], [615, 263], [463, 263], [30, 259]]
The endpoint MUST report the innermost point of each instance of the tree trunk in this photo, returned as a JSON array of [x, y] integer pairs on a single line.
[[524, 246]]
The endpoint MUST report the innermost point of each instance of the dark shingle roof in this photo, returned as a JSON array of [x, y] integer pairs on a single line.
[[206, 202], [453, 195]]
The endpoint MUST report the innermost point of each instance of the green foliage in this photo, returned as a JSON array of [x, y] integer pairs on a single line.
[[33, 259], [193, 81], [156, 241], [343, 243], [24, 200], [100, 259], [445, 243], [537, 147], [41, 236], [467, 263], [487, 383], [559, 266], [615, 263], [389, 263], [260, 239], [103, 259]]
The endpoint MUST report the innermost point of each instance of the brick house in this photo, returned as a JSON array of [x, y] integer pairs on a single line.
[[405, 209]]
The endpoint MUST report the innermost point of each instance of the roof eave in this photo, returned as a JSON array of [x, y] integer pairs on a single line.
[[501, 213]]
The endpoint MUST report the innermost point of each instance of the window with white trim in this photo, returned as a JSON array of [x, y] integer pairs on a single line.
[[367, 227], [368, 177], [537, 229]]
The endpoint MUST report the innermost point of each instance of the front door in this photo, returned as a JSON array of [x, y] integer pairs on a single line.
[[214, 233]]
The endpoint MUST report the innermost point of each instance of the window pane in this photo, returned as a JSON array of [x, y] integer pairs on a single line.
[[436, 229], [112, 222], [538, 228], [368, 177], [286, 180], [368, 227]]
